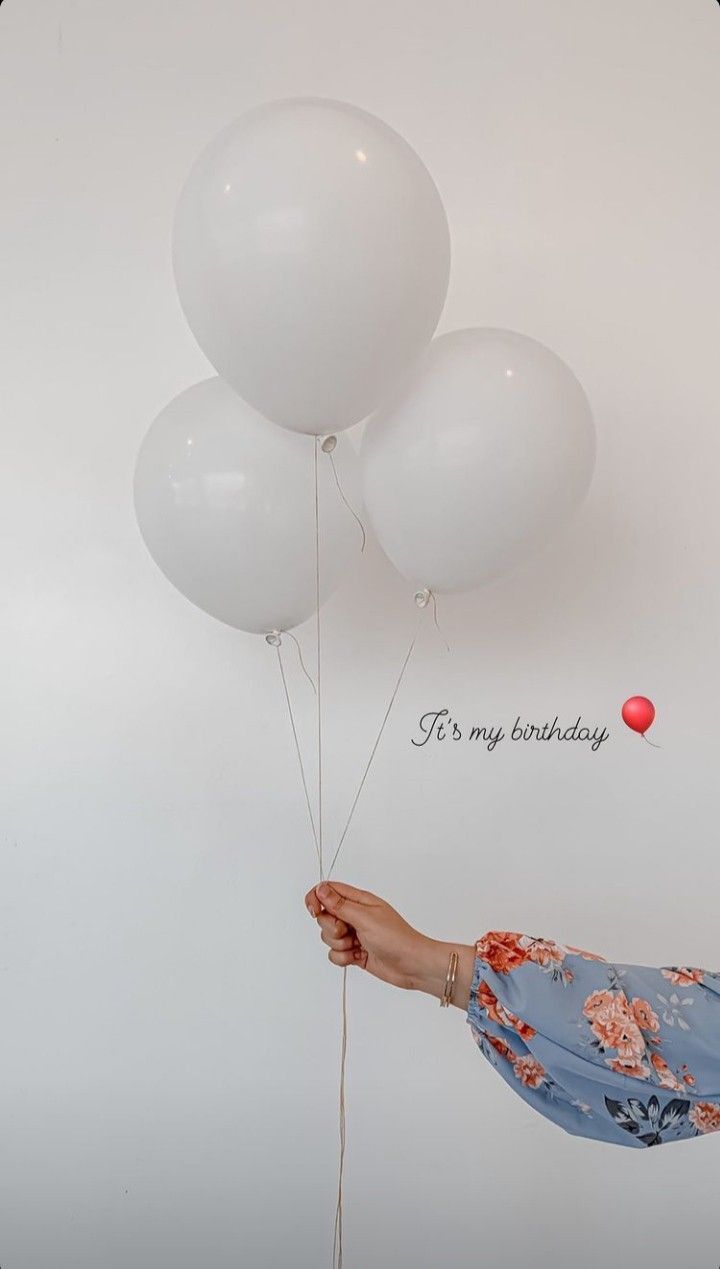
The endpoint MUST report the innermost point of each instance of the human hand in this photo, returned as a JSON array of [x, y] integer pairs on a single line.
[[363, 930]]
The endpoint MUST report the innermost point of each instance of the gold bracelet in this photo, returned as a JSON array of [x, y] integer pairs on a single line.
[[446, 997]]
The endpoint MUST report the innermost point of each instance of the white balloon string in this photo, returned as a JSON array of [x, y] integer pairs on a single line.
[[318, 676], [350, 508], [435, 619], [650, 742], [378, 738], [303, 666], [337, 1254], [338, 1231], [298, 751]]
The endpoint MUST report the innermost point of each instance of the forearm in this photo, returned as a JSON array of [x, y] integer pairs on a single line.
[[431, 967]]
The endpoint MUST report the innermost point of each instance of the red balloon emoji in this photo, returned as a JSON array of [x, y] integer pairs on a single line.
[[638, 713]]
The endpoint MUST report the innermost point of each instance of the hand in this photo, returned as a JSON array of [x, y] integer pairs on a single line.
[[362, 930]]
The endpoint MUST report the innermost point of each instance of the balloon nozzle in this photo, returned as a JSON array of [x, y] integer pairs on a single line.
[[328, 444], [422, 597], [274, 638]]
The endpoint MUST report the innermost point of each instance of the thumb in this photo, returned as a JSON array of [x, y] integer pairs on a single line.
[[346, 902]]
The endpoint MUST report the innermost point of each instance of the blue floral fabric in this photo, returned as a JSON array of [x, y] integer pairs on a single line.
[[620, 1053]]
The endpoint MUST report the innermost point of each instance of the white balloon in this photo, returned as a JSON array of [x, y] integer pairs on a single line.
[[225, 502], [482, 455], [311, 254]]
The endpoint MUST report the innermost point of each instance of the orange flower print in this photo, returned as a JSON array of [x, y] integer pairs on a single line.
[[598, 1002], [629, 1066], [616, 1024], [613, 1024], [544, 952], [498, 1013], [645, 1015], [501, 951], [487, 1000], [549, 957], [529, 1071], [501, 1047], [505, 951], [665, 1075], [630, 1027], [683, 977], [705, 1116]]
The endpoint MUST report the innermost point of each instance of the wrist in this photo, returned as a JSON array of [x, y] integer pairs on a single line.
[[431, 961]]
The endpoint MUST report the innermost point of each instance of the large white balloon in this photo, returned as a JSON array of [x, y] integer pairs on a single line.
[[225, 502], [311, 254], [485, 451]]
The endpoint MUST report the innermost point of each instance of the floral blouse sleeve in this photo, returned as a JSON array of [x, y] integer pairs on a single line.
[[621, 1053]]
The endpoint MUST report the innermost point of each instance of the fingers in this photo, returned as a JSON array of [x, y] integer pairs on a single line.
[[341, 900], [336, 934], [333, 928], [345, 944], [332, 924], [353, 956], [349, 892], [338, 908]]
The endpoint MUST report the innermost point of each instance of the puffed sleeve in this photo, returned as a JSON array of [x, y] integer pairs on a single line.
[[620, 1053]]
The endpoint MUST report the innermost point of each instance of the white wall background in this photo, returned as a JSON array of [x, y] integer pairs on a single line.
[[169, 1024]]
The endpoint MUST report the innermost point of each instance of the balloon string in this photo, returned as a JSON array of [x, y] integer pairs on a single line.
[[351, 509], [298, 751], [378, 738], [650, 742], [318, 674], [435, 619], [338, 1231], [317, 830], [317, 836], [304, 668], [338, 1228]]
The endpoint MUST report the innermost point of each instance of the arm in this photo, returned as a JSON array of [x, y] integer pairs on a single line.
[[625, 1054]]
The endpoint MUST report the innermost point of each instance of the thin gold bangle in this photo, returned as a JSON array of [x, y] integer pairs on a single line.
[[446, 997]]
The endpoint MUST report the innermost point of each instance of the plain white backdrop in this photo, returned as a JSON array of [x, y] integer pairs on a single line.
[[170, 1026]]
